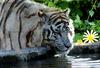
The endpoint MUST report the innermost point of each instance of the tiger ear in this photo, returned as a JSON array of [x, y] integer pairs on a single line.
[[67, 11], [43, 16], [41, 13]]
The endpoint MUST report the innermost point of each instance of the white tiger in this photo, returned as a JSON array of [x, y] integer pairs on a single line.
[[26, 24]]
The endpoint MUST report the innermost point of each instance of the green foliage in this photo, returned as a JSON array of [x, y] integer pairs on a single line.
[[83, 12], [91, 13], [77, 37]]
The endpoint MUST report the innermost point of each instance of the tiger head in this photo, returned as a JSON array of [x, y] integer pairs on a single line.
[[58, 30]]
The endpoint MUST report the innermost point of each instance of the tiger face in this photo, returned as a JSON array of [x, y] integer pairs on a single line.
[[58, 30]]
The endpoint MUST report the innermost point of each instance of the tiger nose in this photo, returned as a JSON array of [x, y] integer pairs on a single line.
[[68, 45]]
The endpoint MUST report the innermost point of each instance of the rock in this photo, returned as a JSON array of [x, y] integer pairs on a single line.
[[24, 54], [86, 49]]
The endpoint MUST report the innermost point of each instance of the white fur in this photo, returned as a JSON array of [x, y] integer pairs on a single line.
[[12, 25]]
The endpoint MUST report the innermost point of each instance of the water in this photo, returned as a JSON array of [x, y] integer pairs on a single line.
[[76, 61]]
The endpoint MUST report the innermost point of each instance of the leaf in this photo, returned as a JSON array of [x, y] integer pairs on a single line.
[[92, 23], [77, 36], [51, 4], [77, 20], [62, 4], [91, 13], [94, 7], [98, 4], [86, 21]]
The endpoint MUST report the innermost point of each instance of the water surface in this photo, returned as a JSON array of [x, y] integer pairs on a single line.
[[76, 61]]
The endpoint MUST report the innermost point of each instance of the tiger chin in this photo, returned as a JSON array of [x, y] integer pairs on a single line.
[[27, 26]]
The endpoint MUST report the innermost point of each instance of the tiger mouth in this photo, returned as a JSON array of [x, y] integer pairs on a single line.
[[48, 41], [56, 46], [63, 48]]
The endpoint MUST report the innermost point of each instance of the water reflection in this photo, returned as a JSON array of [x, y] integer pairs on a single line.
[[81, 61]]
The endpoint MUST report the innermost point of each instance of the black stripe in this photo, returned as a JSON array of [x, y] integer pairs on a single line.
[[19, 2], [10, 41], [57, 18], [53, 15], [7, 15], [54, 20], [2, 7], [48, 33], [20, 29], [1, 21], [20, 24], [4, 4], [57, 14], [58, 23], [55, 31], [65, 22], [43, 34], [62, 21], [52, 29], [20, 8], [28, 38]]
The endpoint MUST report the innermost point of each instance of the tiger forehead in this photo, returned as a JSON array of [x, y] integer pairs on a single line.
[[58, 15]]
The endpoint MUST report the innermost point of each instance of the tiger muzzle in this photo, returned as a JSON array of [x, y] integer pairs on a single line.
[[60, 45], [63, 44]]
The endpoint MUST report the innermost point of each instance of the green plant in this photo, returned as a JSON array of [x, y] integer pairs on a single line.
[[83, 12]]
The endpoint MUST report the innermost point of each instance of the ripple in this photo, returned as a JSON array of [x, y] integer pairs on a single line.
[[85, 62]]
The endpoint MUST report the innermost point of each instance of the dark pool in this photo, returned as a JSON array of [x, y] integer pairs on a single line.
[[76, 61]]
